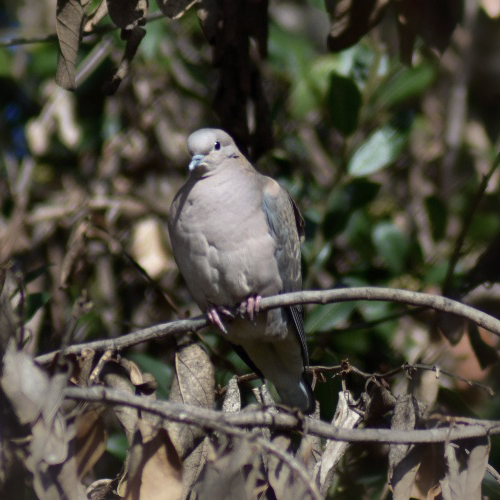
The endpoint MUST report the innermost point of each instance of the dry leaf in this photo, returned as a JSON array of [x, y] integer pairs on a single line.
[[70, 16], [432, 20], [404, 460], [224, 475], [193, 466], [232, 400], [193, 384], [344, 418], [127, 14], [154, 470], [352, 19], [148, 248], [466, 468], [90, 440]]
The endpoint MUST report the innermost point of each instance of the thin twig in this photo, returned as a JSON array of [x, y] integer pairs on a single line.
[[406, 367], [457, 250]]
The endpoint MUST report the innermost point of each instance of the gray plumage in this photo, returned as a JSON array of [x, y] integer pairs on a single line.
[[236, 235]]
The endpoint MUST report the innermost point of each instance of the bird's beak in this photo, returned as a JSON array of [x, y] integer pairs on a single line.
[[195, 161]]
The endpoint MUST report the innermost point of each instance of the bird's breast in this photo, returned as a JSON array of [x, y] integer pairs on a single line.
[[227, 251]]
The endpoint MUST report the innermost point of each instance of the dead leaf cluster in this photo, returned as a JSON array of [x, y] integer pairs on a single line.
[[54, 445]]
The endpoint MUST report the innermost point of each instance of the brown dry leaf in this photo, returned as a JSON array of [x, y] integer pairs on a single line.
[[70, 16], [118, 375], [35, 399], [193, 466], [127, 14], [56, 482], [344, 418], [311, 447], [148, 247], [224, 475], [466, 468], [83, 365], [143, 381], [404, 460], [433, 21], [352, 19], [154, 470], [232, 400], [193, 385], [90, 439], [174, 9], [25, 384], [284, 482]]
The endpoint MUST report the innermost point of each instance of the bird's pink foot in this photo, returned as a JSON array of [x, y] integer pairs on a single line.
[[213, 313], [250, 306]]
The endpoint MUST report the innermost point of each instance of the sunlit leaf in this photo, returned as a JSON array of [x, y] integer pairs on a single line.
[[380, 150]]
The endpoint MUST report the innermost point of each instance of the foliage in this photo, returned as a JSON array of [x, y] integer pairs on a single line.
[[392, 164]]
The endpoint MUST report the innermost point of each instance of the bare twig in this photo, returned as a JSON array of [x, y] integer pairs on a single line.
[[406, 367], [305, 297], [228, 422]]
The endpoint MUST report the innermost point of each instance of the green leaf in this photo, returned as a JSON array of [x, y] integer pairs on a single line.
[[34, 302], [405, 84], [344, 102], [5, 62], [117, 445], [325, 317], [379, 151], [391, 244], [438, 216]]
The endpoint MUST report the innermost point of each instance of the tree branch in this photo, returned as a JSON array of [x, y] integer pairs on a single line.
[[305, 297], [232, 423]]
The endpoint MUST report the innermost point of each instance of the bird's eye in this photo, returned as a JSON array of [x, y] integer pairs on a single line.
[[217, 145]]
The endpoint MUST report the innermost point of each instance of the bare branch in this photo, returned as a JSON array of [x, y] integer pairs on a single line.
[[305, 297], [232, 423]]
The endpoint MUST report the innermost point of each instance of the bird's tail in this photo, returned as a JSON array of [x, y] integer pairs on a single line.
[[298, 394]]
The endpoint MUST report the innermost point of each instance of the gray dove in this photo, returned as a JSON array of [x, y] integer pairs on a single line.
[[235, 235]]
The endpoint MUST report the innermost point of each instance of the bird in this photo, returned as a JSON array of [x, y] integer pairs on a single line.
[[235, 235]]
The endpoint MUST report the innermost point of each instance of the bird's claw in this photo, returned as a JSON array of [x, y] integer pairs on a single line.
[[213, 314], [250, 306]]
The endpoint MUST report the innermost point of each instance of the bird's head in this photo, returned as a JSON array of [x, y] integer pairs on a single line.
[[209, 147]]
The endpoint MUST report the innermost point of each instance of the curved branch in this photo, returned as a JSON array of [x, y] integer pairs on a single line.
[[305, 297], [232, 423]]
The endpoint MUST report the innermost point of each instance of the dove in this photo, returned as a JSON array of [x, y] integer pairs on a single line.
[[235, 236]]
